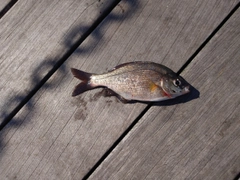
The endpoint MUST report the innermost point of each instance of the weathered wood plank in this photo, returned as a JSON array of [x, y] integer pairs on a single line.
[[58, 137], [33, 36], [199, 139]]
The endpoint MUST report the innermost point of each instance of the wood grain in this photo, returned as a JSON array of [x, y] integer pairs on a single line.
[[194, 140], [59, 137]]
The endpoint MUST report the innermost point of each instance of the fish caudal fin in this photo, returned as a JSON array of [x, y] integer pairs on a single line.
[[80, 88], [83, 86], [84, 76]]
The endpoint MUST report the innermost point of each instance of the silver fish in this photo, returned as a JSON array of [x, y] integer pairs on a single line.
[[141, 81]]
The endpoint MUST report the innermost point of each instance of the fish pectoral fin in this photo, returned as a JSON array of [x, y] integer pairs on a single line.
[[153, 87]]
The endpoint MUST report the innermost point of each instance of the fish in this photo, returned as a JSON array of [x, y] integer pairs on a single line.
[[134, 81]]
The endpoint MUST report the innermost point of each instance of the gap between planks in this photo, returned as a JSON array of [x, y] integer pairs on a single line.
[[7, 8]]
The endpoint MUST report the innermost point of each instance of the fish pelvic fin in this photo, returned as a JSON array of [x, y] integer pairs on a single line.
[[84, 85], [108, 92]]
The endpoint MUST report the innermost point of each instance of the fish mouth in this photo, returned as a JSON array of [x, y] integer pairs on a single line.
[[186, 90]]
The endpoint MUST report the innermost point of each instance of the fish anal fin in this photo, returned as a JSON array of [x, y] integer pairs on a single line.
[[123, 100], [109, 92]]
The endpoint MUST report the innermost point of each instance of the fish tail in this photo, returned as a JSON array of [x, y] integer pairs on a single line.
[[84, 85]]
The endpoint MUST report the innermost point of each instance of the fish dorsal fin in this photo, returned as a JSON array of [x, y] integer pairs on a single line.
[[124, 64], [128, 64]]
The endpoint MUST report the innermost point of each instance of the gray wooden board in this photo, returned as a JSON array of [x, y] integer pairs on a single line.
[[33, 36], [199, 139], [59, 137]]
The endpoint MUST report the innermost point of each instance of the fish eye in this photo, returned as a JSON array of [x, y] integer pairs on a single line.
[[176, 82]]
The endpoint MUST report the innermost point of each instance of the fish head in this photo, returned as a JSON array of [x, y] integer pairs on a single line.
[[174, 86]]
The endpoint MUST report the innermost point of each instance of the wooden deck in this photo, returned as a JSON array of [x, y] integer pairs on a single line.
[[47, 134]]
